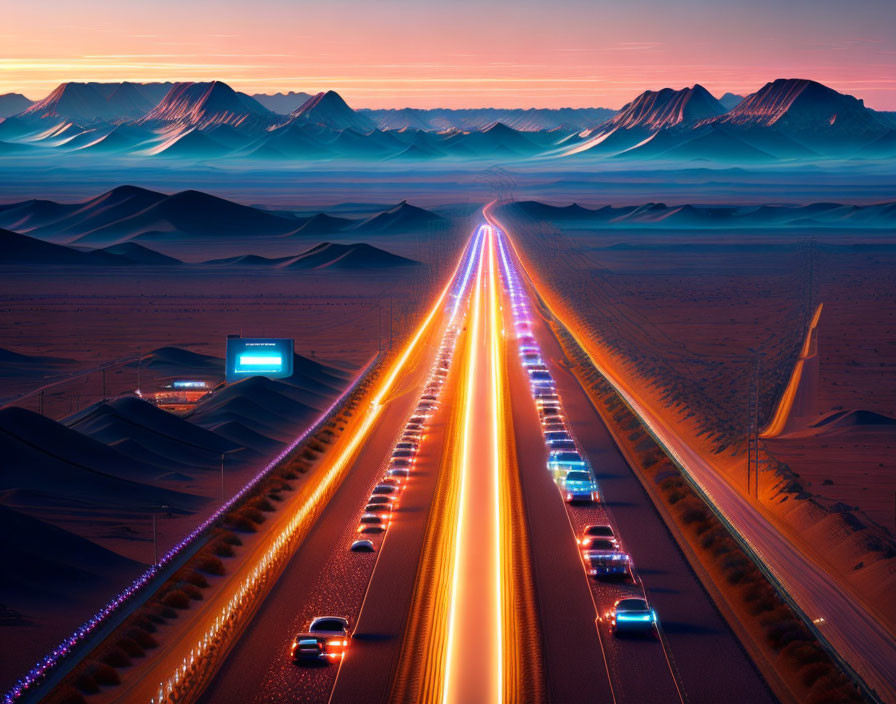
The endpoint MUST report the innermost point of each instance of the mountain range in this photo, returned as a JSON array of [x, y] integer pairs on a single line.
[[662, 216], [793, 120], [128, 214]]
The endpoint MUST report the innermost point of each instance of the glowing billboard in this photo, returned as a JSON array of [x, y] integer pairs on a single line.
[[258, 357]]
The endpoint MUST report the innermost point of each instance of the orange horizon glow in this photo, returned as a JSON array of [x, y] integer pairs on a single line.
[[393, 53]]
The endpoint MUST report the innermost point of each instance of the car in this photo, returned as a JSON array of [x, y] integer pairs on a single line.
[[603, 559], [411, 436], [392, 481], [398, 472], [384, 509], [372, 519], [632, 615], [546, 412], [537, 368], [406, 445], [561, 445], [403, 458], [384, 489], [551, 436], [371, 529], [579, 485], [325, 639], [599, 530], [553, 423], [380, 499], [432, 398], [550, 398], [563, 461], [412, 426], [362, 546]]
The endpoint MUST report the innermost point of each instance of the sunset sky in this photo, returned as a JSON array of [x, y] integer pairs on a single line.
[[455, 53]]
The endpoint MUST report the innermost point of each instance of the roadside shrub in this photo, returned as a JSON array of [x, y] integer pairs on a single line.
[[176, 599], [144, 622], [191, 591], [308, 454], [116, 657], [86, 683], [812, 673], [801, 654], [222, 550], [832, 689], [227, 537], [693, 514], [142, 638], [786, 632], [243, 524], [131, 647], [288, 473], [316, 446], [262, 504], [211, 565], [274, 496], [104, 674], [168, 612], [252, 513], [197, 578], [69, 695]]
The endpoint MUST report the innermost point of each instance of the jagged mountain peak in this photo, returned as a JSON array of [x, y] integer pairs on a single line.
[[667, 108]]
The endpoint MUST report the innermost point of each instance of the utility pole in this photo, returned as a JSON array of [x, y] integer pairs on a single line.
[[155, 542], [753, 429]]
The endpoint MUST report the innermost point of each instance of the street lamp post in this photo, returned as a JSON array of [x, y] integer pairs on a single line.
[[226, 452]]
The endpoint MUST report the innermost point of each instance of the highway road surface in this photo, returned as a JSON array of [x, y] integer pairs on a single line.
[[483, 437]]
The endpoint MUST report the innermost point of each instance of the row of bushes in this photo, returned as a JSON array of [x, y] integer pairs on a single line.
[[795, 651]]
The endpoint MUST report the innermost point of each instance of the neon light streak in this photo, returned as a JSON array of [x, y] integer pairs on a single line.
[[497, 399], [450, 674]]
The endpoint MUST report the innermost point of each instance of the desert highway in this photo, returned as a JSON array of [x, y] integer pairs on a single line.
[[476, 588]]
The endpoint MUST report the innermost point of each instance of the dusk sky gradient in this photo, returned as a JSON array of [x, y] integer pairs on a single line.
[[456, 53]]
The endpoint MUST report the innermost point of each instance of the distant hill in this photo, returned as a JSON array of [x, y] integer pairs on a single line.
[[18, 364], [53, 562], [667, 108], [205, 105], [346, 256], [128, 214], [148, 434], [525, 120], [328, 109], [75, 468], [400, 218], [730, 100], [22, 250], [18, 249], [113, 102], [326, 255], [659, 215], [282, 103], [13, 103]]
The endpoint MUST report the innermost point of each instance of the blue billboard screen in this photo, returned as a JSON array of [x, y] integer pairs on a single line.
[[258, 357]]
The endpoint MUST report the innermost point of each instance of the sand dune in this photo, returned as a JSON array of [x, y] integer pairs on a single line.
[[76, 467], [148, 434]]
